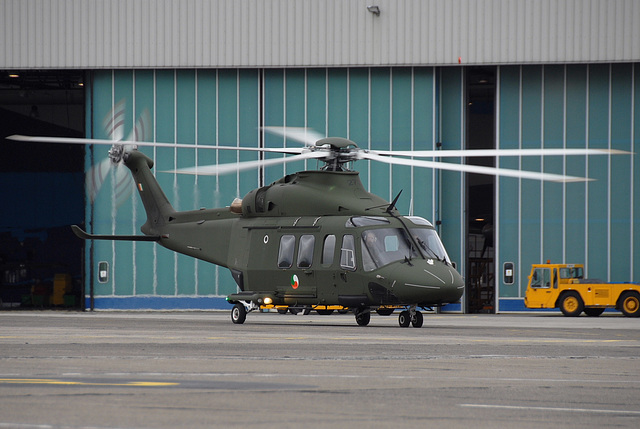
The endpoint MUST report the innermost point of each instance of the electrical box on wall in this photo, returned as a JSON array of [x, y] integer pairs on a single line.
[[103, 272], [509, 273]]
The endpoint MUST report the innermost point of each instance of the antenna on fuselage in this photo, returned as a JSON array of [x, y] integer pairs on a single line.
[[393, 203]]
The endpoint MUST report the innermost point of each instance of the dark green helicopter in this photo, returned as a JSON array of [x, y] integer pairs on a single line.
[[312, 239]]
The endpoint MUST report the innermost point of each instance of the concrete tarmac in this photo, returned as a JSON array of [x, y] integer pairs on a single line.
[[198, 370]]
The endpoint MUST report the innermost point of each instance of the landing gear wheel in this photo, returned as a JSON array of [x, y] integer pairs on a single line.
[[363, 318], [384, 311], [571, 304], [404, 319], [417, 319], [630, 304], [593, 312], [238, 314]]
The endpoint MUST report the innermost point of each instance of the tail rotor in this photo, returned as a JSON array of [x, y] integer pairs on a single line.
[[114, 123]]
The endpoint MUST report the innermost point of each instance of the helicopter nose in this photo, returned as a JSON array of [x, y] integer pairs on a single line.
[[428, 281]]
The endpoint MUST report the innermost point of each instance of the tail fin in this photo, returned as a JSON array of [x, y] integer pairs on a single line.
[[159, 209]]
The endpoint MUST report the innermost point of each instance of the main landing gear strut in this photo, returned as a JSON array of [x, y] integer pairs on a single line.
[[410, 317]]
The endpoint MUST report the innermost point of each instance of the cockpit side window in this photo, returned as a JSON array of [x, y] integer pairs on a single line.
[[348, 253], [286, 251]]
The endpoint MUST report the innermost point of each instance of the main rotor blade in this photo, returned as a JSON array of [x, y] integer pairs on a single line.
[[304, 135], [499, 152], [72, 140], [213, 170], [491, 171]]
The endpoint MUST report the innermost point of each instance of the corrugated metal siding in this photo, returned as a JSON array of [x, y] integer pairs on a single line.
[[298, 33]]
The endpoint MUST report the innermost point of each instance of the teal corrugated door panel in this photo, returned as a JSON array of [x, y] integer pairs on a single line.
[[621, 174], [359, 117], [598, 168], [451, 136], [207, 189], [401, 133], [184, 189], [635, 216], [380, 180], [553, 137], [165, 159], [509, 189], [337, 103], [295, 114], [575, 196], [422, 118], [248, 127], [145, 272], [531, 190], [274, 116], [227, 123]]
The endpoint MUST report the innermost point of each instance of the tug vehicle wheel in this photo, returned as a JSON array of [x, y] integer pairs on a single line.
[[630, 304], [571, 304]]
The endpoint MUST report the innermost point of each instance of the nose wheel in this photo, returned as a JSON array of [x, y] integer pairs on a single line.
[[410, 317]]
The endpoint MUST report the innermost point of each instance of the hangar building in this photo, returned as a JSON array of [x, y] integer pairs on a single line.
[[388, 74]]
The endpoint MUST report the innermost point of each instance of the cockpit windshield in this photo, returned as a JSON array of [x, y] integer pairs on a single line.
[[430, 244], [383, 246]]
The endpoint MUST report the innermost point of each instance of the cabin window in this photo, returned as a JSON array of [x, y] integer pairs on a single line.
[[348, 253], [286, 251], [305, 251], [571, 273], [541, 278], [328, 250]]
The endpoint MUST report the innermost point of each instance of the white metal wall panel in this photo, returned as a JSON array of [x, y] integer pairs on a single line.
[[301, 33]]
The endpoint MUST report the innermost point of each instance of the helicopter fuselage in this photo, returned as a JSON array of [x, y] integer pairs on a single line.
[[310, 238]]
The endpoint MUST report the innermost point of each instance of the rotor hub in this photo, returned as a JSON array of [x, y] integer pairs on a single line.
[[339, 151]]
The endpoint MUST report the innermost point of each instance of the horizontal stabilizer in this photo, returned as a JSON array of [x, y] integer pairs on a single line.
[[86, 236]]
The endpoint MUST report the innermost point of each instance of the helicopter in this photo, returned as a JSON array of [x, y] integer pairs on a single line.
[[314, 238]]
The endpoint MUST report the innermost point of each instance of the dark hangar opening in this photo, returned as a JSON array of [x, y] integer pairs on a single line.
[[42, 190], [480, 190]]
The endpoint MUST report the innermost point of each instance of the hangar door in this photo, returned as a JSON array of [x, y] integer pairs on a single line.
[[595, 222], [378, 108]]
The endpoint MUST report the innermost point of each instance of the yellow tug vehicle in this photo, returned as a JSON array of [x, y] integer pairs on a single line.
[[563, 286]]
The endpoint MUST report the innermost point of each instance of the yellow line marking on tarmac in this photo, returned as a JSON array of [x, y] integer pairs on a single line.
[[82, 383]]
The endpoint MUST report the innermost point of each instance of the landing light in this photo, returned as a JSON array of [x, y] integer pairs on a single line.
[[268, 301]]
